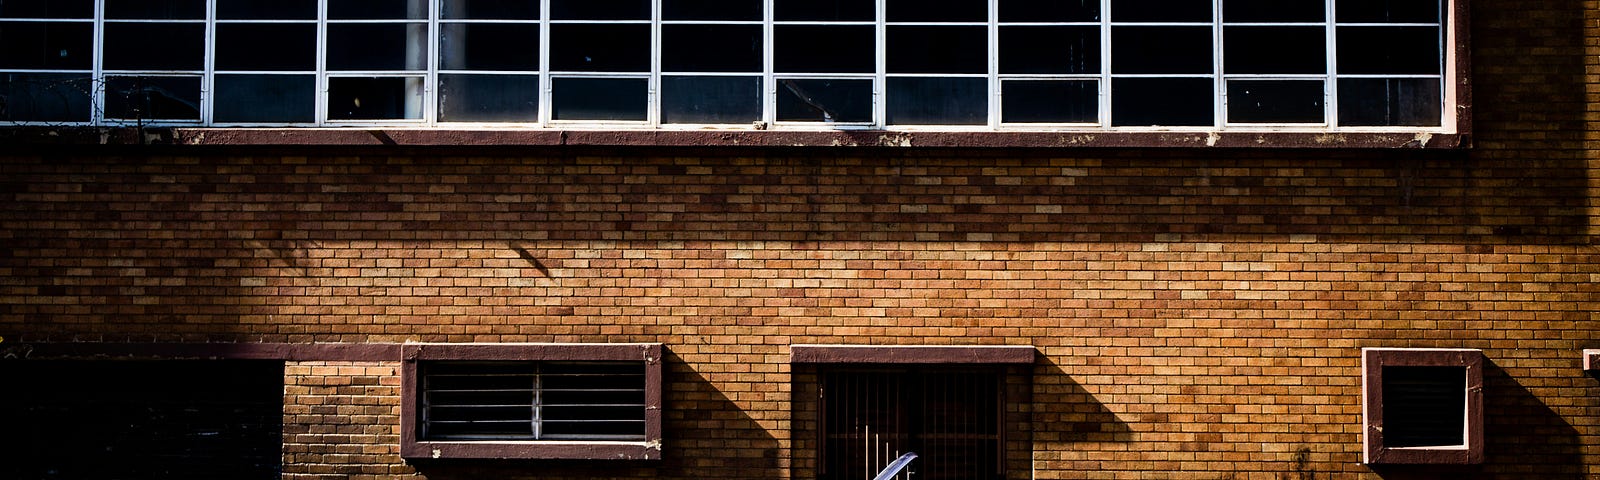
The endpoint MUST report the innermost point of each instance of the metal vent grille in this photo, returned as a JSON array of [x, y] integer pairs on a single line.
[[1424, 406], [951, 419], [533, 401]]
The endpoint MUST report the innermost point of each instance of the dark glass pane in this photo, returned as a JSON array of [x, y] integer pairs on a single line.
[[47, 45], [156, 9], [1377, 102], [1424, 406], [711, 48], [1388, 11], [600, 9], [824, 48], [374, 98], [240, 46], [1049, 10], [1173, 102], [1263, 50], [490, 9], [938, 49], [47, 9], [265, 99], [1161, 11], [1050, 101], [1275, 101], [1050, 50], [600, 48], [847, 100], [489, 46], [44, 97], [377, 10], [1390, 50], [488, 98], [938, 101], [938, 10], [600, 99], [267, 9], [1161, 50], [732, 10], [376, 46], [154, 46], [824, 10], [1276, 11], [153, 98], [710, 99]]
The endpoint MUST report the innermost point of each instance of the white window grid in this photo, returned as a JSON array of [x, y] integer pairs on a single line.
[[428, 74]]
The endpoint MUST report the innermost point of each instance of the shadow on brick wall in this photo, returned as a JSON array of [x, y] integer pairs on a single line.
[[1064, 412]]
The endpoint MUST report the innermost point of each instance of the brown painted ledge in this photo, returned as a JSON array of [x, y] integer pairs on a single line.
[[437, 137], [898, 354]]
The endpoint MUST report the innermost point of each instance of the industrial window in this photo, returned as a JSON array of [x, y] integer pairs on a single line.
[[1089, 65], [532, 401], [141, 420], [1423, 406], [949, 417]]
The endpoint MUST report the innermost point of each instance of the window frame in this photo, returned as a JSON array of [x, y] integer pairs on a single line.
[[1454, 108], [413, 446], [1375, 451]]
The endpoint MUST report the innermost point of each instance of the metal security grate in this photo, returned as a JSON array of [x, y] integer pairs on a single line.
[[533, 401], [1424, 406], [950, 418]]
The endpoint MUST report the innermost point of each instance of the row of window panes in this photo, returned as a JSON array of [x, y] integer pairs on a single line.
[[1150, 63]]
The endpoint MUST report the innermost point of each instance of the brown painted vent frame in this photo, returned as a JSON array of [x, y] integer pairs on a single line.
[[1416, 384]]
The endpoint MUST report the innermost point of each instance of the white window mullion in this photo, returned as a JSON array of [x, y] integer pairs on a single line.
[[545, 95], [769, 78], [97, 79], [880, 82], [208, 75], [322, 63], [430, 76], [994, 64], [653, 87], [1219, 98], [1105, 64], [1331, 88]]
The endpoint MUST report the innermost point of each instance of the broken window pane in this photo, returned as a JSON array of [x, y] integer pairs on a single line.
[[377, 9], [711, 48], [623, 99], [153, 98], [824, 10], [1379, 102], [938, 101], [728, 10], [44, 97], [154, 46], [1388, 11], [1161, 50], [825, 100], [1275, 101], [1389, 50], [1280, 50], [1050, 101], [600, 47], [937, 49], [1161, 10], [1274, 11], [489, 46], [824, 48], [938, 11], [376, 46], [599, 9], [724, 100], [47, 9], [265, 99], [488, 98], [47, 45], [1049, 50], [267, 9], [1049, 10], [1172, 102], [374, 98], [293, 46], [489, 9], [156, 9]]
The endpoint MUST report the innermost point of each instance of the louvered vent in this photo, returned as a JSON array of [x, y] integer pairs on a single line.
[[1424, 406], [533, 401]]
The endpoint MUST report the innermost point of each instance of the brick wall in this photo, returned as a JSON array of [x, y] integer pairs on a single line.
[[1199, 313]]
